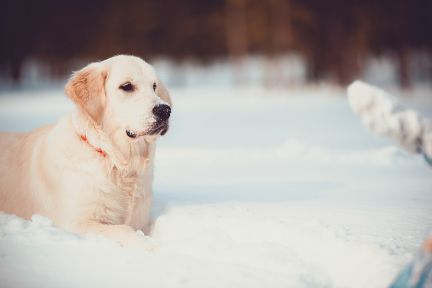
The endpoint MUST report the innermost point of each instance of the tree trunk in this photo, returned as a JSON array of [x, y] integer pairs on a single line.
[[236, 36], [281, 38], [403, 58]]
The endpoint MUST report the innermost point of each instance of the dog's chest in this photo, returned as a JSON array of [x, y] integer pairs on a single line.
[[123, 194]]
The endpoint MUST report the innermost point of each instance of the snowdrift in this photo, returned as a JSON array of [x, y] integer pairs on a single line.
[[254, 188]]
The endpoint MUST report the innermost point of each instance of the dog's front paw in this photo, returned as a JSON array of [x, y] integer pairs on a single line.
[[142, 242]]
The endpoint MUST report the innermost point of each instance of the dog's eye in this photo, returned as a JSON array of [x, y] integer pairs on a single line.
[[154, 86], [128, 87]]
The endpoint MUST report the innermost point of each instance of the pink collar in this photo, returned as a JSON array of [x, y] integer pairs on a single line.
[[98, 149]]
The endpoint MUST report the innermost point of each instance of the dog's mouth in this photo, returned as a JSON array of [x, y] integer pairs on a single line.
[[159, 127]]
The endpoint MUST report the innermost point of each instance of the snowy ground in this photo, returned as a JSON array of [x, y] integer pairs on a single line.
[[254, 188]]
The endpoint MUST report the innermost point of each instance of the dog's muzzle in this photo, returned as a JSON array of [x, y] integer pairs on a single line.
[[161, 112]]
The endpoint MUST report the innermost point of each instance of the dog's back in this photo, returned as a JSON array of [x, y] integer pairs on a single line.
[[15, 161]]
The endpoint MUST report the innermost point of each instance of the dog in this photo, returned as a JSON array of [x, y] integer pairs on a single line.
[[92, 170]]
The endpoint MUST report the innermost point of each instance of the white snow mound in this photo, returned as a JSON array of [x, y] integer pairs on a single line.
[[253, 188]]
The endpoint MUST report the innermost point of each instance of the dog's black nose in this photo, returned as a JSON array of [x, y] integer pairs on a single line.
[[162, 112]]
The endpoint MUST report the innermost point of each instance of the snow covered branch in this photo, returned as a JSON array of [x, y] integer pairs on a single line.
[[383, 115]]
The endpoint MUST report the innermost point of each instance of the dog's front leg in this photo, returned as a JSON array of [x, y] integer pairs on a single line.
[[122, 234]]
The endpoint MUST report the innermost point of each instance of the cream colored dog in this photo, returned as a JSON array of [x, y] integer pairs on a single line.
[[92, 171]]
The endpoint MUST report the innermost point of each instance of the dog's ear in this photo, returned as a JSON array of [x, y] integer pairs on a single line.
[[163, 93], [86, 88]]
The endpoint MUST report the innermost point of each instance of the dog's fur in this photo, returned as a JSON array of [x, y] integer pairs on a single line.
[[57, 171]]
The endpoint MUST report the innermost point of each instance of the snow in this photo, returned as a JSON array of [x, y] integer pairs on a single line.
[[253, 188]]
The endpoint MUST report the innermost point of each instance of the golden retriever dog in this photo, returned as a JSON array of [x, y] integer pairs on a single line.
[[92, 171]]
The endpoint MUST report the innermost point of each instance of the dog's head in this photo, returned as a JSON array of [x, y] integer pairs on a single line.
[[122, 95]]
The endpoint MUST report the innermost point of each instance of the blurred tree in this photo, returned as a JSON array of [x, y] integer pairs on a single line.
[[17, 44], [335, 37], [401, 27], [280, 39], [236, 35]]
